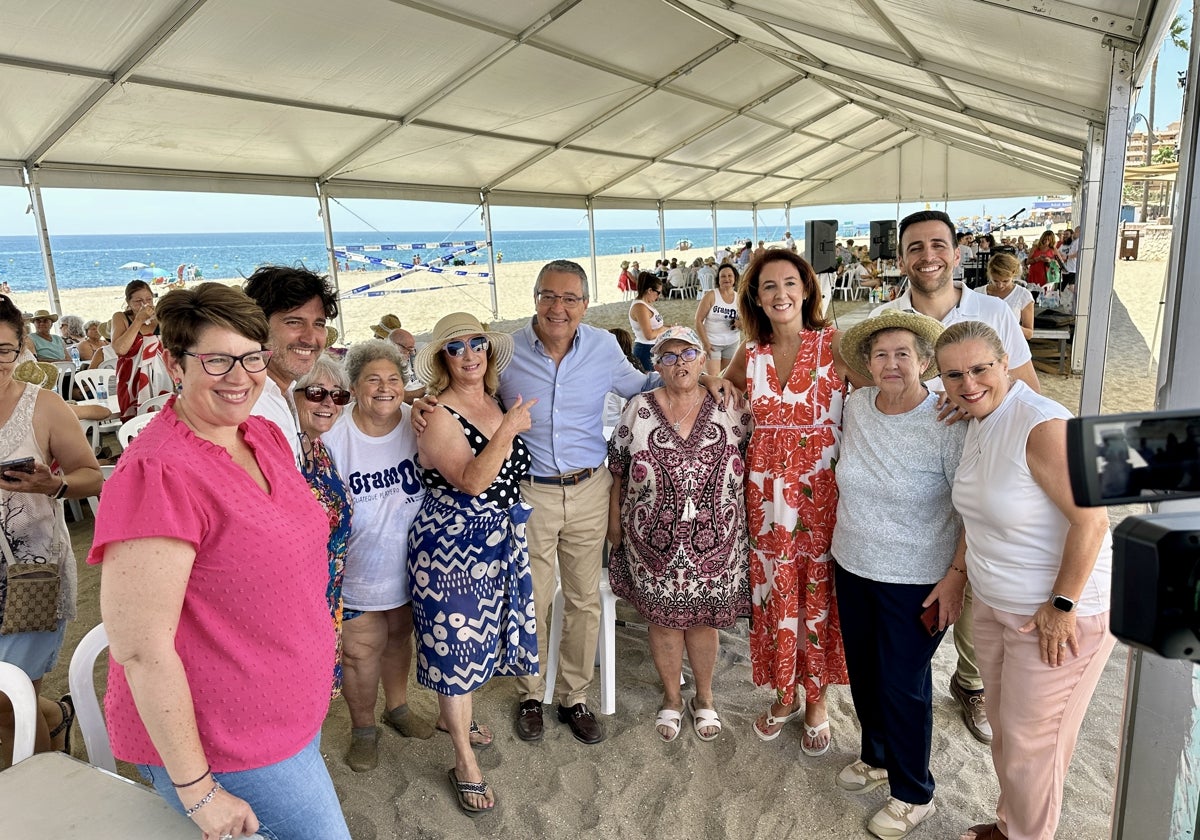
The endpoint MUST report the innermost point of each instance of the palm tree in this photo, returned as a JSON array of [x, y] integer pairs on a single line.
[[1178, 35]]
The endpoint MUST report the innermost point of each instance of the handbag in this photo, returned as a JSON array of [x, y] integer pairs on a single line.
[[31, 605]]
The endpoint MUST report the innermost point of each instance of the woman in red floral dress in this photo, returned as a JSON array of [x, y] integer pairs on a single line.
[[796, 378]]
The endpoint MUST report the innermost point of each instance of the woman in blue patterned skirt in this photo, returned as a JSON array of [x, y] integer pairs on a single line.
[[468, 560]]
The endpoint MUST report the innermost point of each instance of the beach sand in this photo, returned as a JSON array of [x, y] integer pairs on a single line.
[[634, 786]]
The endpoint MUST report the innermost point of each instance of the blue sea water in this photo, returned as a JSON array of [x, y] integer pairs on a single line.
[[82, 261]]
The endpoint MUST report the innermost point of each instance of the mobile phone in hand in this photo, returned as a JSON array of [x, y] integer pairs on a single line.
[[929, 618], [24, 465]]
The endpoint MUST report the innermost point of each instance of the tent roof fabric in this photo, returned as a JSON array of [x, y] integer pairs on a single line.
[[553, 102]]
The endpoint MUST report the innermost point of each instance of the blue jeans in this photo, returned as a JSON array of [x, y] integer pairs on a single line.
[[293, 799]]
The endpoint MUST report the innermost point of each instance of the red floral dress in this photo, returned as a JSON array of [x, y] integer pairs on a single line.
[[791, 505]]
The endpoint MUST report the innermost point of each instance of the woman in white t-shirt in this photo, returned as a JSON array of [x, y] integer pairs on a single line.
[[1002, 273], [1039, 567], [644, 320], [717, 321], [374, 448]]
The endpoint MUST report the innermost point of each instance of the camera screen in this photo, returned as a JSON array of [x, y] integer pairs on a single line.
[[1134, 458]]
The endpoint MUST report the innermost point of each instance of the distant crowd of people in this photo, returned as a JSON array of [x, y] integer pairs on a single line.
[[323, 526]]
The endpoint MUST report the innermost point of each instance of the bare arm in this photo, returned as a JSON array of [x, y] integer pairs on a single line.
[[443, 446], [142, 587], [702, 313], [1027, 320], [645, 320], [948, 592], [1046, 454], [124, 332], [736, 371], [1027, 374], [59, 433]]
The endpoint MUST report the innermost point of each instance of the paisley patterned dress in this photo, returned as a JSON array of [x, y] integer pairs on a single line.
[[791, 504], [682, 559]]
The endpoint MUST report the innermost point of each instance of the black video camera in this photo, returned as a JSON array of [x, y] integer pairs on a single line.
[[1143, 458]]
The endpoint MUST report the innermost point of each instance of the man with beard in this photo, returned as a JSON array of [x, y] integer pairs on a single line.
[[929, 255], [297, 304]]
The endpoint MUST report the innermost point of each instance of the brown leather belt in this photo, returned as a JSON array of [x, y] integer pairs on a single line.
[[567, 479]]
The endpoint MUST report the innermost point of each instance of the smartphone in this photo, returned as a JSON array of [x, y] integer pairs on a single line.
[[24, 465], [929, 618]]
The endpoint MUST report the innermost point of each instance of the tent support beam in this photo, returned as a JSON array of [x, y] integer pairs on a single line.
[[43, 234], [713, 207], [327, 226], [662, 231], [486, 203], [591, 216]]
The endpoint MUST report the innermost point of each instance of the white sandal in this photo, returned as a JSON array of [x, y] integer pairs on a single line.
[[773, 721], [704, 719], [671, 719], [810, 733]]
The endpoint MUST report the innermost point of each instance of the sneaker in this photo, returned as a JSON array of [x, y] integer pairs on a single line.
[[897, 819], [974, 711], [861, 777], [363, 754]]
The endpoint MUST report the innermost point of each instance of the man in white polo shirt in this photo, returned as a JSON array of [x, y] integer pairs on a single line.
[[928, 255]]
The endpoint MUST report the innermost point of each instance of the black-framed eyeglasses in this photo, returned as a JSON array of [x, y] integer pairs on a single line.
[[8, 354], [459, 346], [219, 364], [549, 299], [688, 355], [317, 394], [975, 372]]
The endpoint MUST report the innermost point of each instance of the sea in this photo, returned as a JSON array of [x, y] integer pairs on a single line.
[[84, 261]]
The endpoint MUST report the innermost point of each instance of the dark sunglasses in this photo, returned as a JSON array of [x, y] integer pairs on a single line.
[[458, 347], [317, 394]]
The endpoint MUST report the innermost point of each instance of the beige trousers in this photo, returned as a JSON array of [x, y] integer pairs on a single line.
[[566, 533]]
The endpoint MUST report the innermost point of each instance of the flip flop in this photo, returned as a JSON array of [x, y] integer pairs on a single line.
[[670, 719], [773, 721], [810, 734], [463, 789], [68, 718], [704, 719], [480, 740]]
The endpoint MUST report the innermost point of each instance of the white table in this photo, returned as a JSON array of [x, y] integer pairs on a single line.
[[54, 795]]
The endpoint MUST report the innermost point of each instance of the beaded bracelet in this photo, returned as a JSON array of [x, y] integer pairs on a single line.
[[196, 781], [960, 571], [207, 798]]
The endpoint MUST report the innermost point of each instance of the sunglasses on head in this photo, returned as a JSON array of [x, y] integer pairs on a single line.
[[458, 347], [317, 394]]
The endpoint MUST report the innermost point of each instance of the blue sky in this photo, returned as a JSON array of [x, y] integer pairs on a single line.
[[119, 211]]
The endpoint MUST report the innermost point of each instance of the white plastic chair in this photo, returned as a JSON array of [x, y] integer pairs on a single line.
[[89, 382], [606, 646], [65, 369], [82, 680], [16, 685], [106, 471], [152, 405], [130, 428]]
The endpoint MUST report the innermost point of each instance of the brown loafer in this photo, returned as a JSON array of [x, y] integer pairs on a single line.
[[985, 831], [529, 721], [583, 723]]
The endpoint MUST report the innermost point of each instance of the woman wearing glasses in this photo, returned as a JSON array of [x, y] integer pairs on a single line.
[[221, 644], [472, 462], [320, 396], [677, 525], [645, 321], [374, 448], [1040, 568]]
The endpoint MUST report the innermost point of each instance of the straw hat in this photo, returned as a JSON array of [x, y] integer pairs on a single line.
[[386, 324], [331, 335], [40, 314], [106, 330], [624, 263], [42, 374], [458, 325], [857, 339]]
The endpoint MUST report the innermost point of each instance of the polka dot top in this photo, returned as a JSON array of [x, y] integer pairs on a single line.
[[505, 490]]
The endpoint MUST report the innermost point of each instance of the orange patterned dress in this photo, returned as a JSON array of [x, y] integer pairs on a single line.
[[791, 505]]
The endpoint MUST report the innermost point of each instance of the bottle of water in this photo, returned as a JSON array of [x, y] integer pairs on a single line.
[[74, 351], [102, 389]]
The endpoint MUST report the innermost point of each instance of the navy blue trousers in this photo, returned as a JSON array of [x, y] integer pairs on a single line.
[[888, 655]]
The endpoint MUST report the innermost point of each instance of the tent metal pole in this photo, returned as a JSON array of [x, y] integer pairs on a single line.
[[327, 224], [39, 219], [787, 217], [591, 214], [713, 210], [662, 231], [487, 233], [1102, 210], [754, 220]]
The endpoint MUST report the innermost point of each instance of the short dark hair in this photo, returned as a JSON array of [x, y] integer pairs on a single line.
[[281, 288], [756, 326], [926, 216], [183, 313]]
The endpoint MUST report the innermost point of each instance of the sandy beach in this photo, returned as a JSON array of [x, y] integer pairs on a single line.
[[632, 785]]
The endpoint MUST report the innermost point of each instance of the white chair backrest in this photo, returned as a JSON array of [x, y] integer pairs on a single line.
[[130, 428], [89, 381], [82, 681], [154, 404], [107, 364], [16, 686]]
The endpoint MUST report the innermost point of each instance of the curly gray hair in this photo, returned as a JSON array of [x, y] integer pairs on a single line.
[[326, 367], [365, 352]]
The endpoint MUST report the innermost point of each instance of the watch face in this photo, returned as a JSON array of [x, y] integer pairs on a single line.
[[1063, 604]]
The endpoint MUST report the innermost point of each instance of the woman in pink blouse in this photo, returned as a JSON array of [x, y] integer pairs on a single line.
[[213, 592]]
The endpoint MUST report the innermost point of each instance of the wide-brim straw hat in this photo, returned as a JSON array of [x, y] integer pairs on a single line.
[[331, 335], [459, 325], [857, 339], [105, 328], [40, 314], [385, 326], [42, 374]]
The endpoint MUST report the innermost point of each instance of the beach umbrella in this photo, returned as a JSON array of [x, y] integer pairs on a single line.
[[134, 265], [148, 273]]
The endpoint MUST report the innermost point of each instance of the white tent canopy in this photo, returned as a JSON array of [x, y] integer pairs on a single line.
[[537, 102]]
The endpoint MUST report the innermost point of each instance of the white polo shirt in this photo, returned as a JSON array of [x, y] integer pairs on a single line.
[[278, 407], [974, 306]]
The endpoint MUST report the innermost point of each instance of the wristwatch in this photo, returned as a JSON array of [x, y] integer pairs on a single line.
[[62, 489], [1062, 603]]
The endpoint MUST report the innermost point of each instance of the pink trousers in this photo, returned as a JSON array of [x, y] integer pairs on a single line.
[[1035, 712]]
